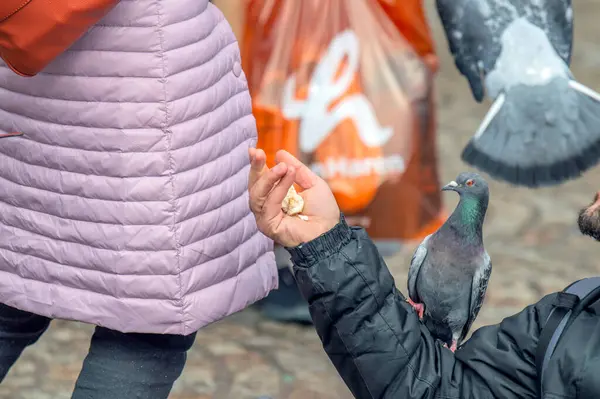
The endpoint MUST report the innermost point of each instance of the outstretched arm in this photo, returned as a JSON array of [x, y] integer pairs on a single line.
[[376, 341], [370, 333]]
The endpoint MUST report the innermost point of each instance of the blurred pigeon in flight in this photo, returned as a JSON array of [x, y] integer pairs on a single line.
[[543, 127], [450, 269]]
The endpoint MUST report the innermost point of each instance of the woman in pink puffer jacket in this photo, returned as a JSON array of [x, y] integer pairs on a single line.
[[124, 204]]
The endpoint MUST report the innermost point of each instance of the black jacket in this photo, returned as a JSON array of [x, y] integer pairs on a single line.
[[381, 350]]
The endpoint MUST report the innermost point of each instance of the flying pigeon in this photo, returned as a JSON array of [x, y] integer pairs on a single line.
[[450, 269], [543, 127]]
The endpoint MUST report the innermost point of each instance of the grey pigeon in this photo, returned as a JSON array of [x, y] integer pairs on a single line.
[[543, 127], [450, 269]]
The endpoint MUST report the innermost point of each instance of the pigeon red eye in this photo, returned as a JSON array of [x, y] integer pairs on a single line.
[[470, 183]]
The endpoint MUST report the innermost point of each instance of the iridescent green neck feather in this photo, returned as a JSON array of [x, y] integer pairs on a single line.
[[467, 218]]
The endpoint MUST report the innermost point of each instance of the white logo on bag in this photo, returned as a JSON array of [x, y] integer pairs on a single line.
[[317, 122]]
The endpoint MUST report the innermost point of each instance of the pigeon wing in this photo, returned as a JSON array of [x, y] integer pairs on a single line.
[[478, 287], [558, 24], [469, 40], [415, 266], [555, 17]]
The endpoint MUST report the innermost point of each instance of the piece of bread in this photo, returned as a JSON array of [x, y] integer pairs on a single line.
[[293, 203]]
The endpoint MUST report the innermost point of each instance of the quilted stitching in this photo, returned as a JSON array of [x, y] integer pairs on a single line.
[[124, 204]]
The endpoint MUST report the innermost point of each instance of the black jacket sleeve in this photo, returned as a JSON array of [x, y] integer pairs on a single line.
[[380, 348]]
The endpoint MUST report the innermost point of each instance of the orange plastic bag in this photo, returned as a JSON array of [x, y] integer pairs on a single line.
[[336, 83]]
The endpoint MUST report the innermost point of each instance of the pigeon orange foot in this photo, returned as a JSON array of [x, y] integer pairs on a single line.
[[419, 307], [452, 347]]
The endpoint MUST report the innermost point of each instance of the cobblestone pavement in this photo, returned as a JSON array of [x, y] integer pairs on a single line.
[[531, 236]]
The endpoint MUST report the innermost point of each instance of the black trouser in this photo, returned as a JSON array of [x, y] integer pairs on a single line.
[[118, 365]]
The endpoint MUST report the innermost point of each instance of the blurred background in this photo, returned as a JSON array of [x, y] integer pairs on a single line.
[[531, 236]]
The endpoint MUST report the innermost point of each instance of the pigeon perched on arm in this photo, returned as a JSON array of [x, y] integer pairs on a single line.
[[543, 127], [450, 269]]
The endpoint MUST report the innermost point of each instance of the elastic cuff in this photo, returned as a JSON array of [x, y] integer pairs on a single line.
[[322, 247]]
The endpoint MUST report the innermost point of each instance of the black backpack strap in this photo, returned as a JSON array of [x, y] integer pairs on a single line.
[[551, 331], [569, 303]]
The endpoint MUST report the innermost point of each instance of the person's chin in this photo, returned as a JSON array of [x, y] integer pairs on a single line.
[[589, 223]]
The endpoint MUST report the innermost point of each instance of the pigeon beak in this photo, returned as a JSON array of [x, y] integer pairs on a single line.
[[450, 186]]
